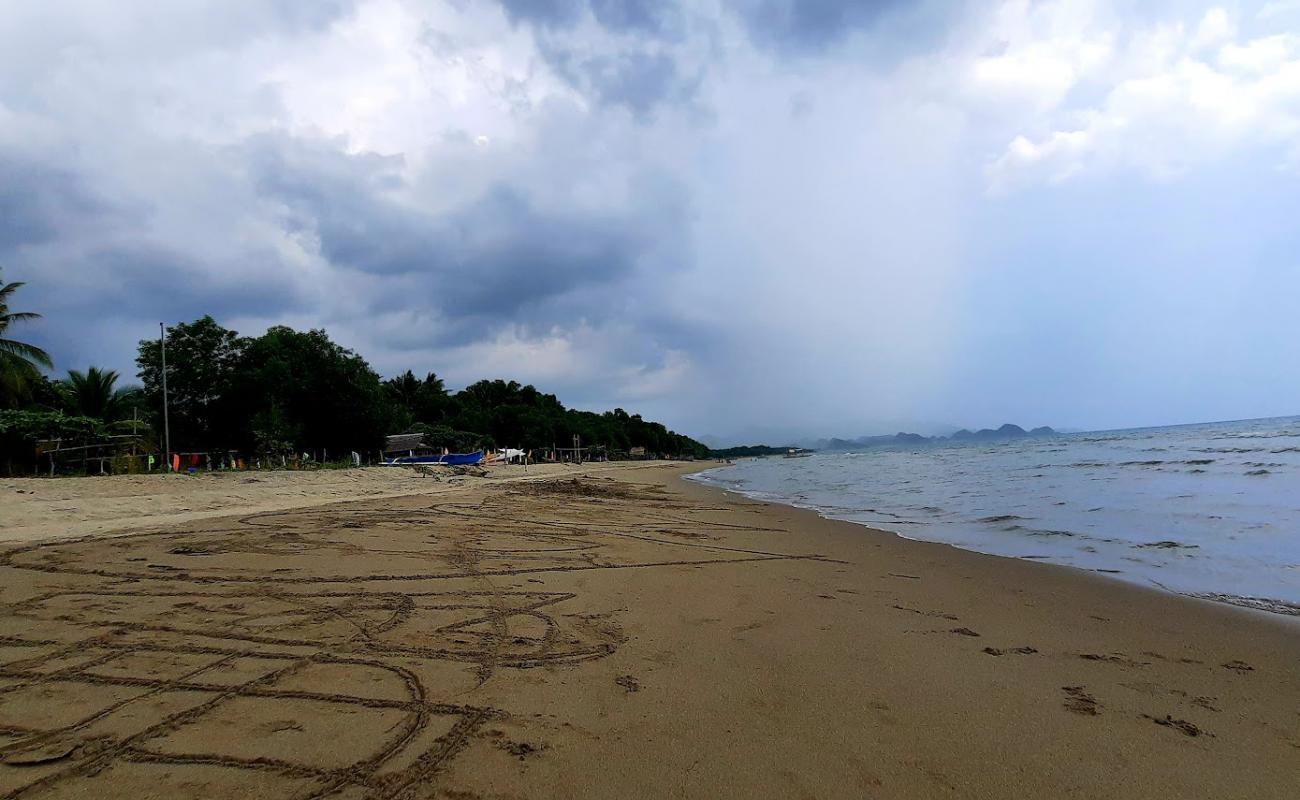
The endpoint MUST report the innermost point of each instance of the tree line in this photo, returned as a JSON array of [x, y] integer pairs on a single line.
[[286, 392]]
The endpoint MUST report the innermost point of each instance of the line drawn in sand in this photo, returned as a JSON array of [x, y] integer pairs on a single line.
[[224, 648]]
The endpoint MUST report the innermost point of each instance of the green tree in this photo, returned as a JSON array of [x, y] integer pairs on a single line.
[[424, 401], [517, 415], [311, 392], [292, 391], [95, 393], [19, 361], [203, 394]]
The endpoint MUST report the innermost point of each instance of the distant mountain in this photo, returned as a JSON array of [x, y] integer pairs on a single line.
[[1005, 432], [808, 435]]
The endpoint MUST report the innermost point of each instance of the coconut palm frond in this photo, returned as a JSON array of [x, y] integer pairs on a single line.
[[93, 393], [7, 289], [26, 352]]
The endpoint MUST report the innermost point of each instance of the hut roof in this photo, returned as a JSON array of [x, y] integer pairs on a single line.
[[403, 442]]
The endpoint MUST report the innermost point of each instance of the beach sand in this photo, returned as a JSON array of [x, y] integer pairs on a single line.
[[608, 632], [36, 509]]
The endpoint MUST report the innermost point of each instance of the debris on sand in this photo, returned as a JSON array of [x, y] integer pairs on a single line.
[[1114, 658], [578, 487], [1080, 702], [1020, 651], [1181, 725], [471, 470], [189, 550], [629, 683], [522, 750]]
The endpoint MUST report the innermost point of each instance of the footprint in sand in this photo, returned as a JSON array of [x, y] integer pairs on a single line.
[[1020, 651], [1114, 658], [938, 614]]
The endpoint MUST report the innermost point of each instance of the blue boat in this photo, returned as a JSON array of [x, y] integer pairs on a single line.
[[450, 459]]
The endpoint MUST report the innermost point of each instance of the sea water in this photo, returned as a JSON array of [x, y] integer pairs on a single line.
[[1211, 510]]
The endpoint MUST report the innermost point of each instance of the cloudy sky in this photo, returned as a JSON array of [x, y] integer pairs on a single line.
[[738, 216]]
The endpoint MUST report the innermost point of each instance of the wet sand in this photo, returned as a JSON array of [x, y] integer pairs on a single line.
[[617, 634]]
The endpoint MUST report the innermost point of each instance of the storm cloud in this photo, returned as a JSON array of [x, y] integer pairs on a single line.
[[755, 217]]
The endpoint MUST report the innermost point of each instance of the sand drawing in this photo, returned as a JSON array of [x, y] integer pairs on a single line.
[[325, 652]]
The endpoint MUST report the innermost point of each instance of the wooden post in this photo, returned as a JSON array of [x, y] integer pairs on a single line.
[[167, 430]]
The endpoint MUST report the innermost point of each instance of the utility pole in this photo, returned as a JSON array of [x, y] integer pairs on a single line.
[[167, 430]]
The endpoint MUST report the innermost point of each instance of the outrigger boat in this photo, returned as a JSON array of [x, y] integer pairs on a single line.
[[450, 459]]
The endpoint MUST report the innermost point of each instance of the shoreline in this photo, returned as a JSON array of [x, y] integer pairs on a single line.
[[498, 638], [1100, 580], [1263, 605]]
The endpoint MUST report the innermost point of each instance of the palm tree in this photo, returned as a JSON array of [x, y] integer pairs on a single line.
[[94, 393], [18, 360]]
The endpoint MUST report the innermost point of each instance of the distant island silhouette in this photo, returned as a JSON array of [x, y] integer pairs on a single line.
[[1003, 433], [1007, 431]]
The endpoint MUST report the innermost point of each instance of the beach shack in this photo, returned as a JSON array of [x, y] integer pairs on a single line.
[[408, 444]]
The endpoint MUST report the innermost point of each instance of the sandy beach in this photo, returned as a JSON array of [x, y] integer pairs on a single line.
[[604, 631], [36, 509]]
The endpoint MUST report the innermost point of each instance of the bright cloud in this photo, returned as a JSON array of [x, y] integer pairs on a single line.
[[1176, 96]]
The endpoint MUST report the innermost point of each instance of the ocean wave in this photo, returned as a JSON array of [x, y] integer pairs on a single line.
[[1257, 603], [1167, 544], [1167, 505]]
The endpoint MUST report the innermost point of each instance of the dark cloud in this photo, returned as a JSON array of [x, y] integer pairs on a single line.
[[98, 318], [500, 255], [658, 17], [318, 14], [637, 80], [809, 25], [548, 13], [153, 280], [640, 74], [342, 199], [37, 202]]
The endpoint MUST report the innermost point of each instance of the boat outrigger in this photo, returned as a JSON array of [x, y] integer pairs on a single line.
[[450, 459]]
